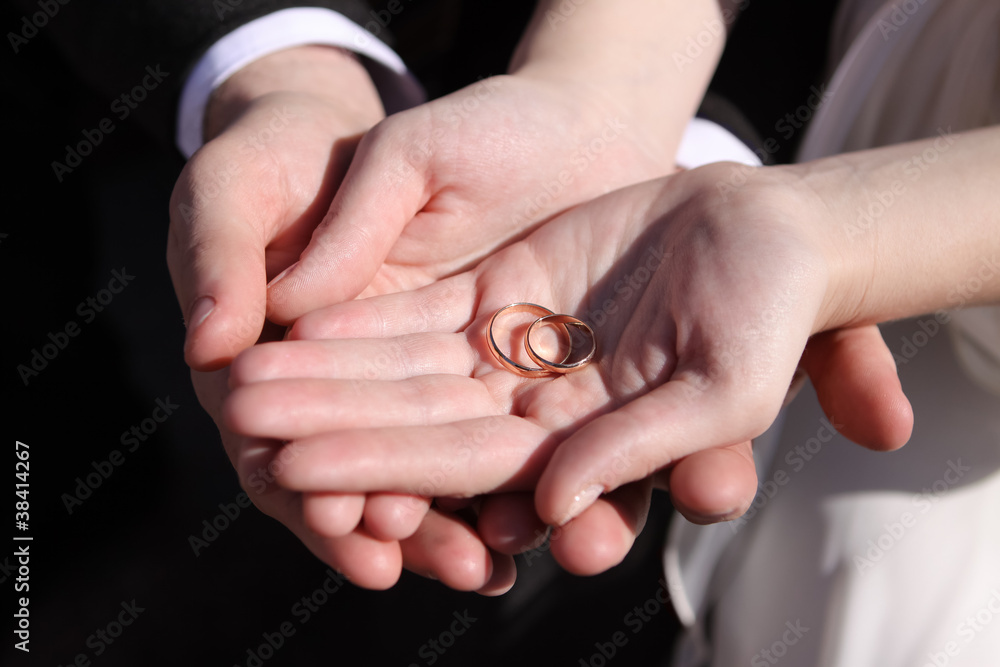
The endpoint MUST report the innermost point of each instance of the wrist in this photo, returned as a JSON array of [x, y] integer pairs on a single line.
[[825, 194], [594, 106], [640, 69], [323, 72], [907, 225], [786, 220]]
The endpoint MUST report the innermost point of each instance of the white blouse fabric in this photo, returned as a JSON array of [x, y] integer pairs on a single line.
[[851, 558]]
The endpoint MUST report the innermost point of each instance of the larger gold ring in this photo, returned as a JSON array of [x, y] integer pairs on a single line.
[[561, 366], [507, 362]]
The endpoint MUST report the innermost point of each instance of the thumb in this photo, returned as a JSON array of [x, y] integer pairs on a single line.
[[386, 185], [856, 383], [675, 420], [216, 258]]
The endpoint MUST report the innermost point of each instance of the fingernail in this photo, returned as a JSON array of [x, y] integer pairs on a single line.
[[581, 501], [203, 307], [281, 276]]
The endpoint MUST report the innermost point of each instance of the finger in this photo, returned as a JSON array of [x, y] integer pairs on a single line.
[[366, 561], [466, 458], [856, 382], [508, 523], [444, 306], [356, 359], [455, 505], [333, 514], [288, 409], [674, 420], [381, 192], [215, 253], [394, 516], [715, 484], [446, 548], [501, 578], [600, 537]]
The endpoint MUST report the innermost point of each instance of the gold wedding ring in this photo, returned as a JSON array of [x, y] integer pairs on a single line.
[[545, 366], [561, 366], [505, 361]]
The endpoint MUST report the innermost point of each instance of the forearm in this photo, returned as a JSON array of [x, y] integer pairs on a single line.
[[916, 227], [653, 59], [321, 71]]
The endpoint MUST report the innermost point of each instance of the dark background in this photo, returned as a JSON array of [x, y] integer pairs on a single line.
[[130, 539]]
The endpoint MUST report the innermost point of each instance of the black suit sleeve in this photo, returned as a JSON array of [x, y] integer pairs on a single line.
[[111, 43]]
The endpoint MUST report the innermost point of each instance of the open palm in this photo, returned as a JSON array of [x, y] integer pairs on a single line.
[[701, 311], [439, 187]]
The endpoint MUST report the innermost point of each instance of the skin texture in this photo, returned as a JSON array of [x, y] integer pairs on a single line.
[[214, 338], [679, 385], [260, 196], [289, 206], [677, 394]]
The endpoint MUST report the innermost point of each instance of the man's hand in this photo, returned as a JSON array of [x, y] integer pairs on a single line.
[[280, 135], [437, 188], [439, 545]]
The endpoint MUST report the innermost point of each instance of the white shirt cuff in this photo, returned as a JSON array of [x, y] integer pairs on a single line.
[[705, 142], [282, 30]]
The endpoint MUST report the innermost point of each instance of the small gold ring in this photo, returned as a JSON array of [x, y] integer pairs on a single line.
[[507, 362], [561, 367]]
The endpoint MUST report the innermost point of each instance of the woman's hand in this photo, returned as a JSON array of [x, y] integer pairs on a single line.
[[701, 311]]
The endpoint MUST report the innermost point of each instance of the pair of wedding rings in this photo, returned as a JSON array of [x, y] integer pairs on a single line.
[[574, 359]]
